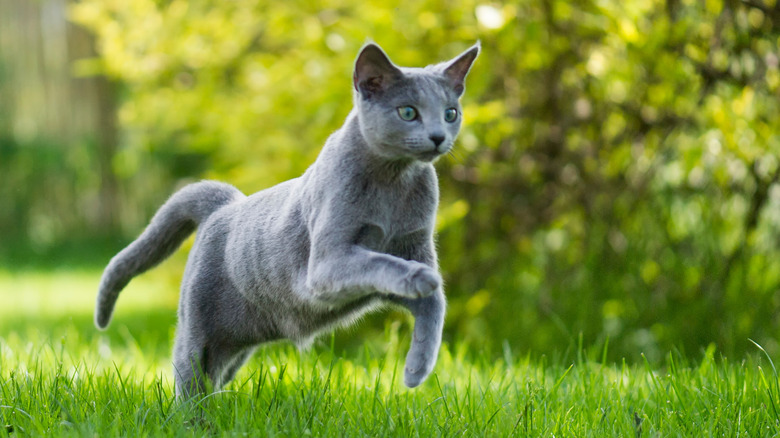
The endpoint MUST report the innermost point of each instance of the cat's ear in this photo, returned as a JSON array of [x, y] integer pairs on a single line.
[[456, 70], [374, 71]]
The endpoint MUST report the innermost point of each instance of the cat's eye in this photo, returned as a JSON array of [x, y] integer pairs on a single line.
[[450, 115], [407, 113]]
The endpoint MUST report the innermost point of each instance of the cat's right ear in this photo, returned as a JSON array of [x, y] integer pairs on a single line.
[[374, 71]]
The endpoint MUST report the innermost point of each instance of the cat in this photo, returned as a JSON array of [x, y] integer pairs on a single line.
[[353, 233]]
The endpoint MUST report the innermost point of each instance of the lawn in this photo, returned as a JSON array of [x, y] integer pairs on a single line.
[[61, 377]]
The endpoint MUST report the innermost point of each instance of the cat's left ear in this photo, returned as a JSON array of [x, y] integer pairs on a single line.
[[456, 70]]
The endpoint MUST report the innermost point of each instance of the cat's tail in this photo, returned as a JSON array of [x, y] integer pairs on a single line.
[[172, 223]]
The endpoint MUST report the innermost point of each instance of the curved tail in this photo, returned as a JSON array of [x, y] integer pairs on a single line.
[[172, 223]]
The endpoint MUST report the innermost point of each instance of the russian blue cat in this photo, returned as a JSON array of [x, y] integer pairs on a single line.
[[351, 234]]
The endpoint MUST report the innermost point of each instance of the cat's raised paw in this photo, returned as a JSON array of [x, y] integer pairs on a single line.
[[424, 282]]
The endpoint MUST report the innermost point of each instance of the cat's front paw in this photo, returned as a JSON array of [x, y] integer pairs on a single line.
[[423, 282]]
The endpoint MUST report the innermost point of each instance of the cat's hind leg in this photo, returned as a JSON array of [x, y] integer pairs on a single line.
[[235, 364], [188, 365], [200, 367], [200, 354]]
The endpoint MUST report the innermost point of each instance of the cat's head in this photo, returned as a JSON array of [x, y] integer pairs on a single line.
[[409, 112]]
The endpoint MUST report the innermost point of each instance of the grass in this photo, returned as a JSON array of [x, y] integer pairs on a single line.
[[61, 377]]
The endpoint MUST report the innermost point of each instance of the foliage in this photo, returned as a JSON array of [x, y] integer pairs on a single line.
[[616, 175], [40, 182]]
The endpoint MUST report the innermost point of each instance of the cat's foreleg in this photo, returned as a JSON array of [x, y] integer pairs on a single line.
[[428, 315], [355, 272], [414, 284]]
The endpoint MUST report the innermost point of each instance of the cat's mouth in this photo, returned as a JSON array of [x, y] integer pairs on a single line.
[[419, 150], [429, 155]]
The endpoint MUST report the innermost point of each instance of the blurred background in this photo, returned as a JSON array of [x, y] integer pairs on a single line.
[[615, 180]]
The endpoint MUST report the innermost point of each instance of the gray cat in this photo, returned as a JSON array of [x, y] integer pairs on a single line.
[[354, 232]]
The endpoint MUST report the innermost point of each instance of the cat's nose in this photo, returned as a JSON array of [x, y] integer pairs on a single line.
[[437, 139]]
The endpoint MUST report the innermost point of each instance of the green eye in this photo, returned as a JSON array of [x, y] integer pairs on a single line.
[[407, 113], [450, 115]]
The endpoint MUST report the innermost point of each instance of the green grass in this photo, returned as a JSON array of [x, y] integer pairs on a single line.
[[61, 377]]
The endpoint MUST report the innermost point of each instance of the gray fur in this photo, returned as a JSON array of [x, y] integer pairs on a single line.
[[353, 233]]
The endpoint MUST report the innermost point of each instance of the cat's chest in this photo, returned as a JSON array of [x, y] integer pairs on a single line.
[[379, 212], [377, 237], [386, 225]]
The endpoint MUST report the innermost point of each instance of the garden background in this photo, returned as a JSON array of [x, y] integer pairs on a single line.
[[615, 180]]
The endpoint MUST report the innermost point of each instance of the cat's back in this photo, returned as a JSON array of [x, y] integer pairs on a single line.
[[268, 209], [266, 238]]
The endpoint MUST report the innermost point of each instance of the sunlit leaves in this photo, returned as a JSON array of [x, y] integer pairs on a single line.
[[614, 155]]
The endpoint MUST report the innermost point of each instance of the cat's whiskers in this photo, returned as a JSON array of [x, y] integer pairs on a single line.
[[451, 153]]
